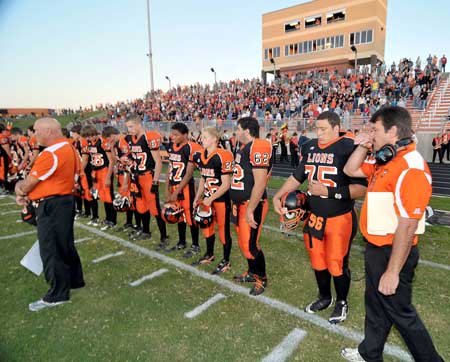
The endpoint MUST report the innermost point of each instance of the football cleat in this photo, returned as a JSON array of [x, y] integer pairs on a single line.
[[94, 222], [339, 313], [140, 235], [203, 216], [295, 205], [352, 355], [259, 287], [179, 246], [205, 260], [318, 305], [172, 213], [245, 277], [223, 266], [194, 250]]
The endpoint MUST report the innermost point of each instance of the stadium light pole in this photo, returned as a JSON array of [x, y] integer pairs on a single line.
[[274, 70], [150, 54], [215, 75], [170, 83], [353, 48]]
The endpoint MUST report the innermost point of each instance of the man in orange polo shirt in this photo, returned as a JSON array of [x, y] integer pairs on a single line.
[[390, 260], [50, 183]]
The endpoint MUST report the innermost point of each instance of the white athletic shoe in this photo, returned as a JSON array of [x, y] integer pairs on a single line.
[[41, 304], [352, 354]]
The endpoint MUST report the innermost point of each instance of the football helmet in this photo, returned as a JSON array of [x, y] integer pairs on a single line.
[[94, 193], [28, 214], [203, 216], [295, 204], [173, 213], [121, 203]]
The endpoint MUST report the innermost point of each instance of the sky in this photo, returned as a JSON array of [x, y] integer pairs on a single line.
[[56, 54]]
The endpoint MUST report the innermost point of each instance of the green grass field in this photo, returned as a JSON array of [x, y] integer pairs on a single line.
[[109, 320]]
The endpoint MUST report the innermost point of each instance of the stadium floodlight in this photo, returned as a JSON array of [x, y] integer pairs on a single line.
[[149, 54], [274, 70], [170, 83], [354, 50], [215, 75]]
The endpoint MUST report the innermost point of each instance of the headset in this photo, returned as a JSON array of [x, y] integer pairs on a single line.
[[388, 152]]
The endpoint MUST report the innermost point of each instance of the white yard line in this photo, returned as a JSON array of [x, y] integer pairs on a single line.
[[18, 235], [316, 320], [148, 277], [10, 212], [287, 346], [81, 240], [202, 307], [8, 204], [428, 263], [108, 256]]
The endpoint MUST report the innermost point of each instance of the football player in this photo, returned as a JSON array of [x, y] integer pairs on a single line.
[[180, 184], [146, 168], [251, 171], [216, 167], [331, 224]]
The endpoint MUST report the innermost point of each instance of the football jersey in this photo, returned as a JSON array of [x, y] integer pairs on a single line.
[[4, 141], [32, 144], [179, 156], [140, 151], [97, 150], [325, 164], [212, 167], [255, 154], [121, 148]]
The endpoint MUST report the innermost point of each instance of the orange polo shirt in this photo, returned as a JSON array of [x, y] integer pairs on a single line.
[[408, 177], [55, 167]]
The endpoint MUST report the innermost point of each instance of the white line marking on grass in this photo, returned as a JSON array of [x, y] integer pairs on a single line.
[[81, 240], [108, 256], [287, 346], [19, 235], [428, 263], [10, 212], [349, 333], [148, 277], [202, 307], [9, 204], [18, 221]]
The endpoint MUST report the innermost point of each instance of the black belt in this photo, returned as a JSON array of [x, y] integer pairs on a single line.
[[51, 197]]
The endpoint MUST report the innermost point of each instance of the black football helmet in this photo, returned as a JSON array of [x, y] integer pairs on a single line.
[[173, 213], [295, 204], [203, 216], [121, 203], [28, 214]]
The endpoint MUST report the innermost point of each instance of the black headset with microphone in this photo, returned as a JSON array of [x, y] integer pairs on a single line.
[[388, 151]]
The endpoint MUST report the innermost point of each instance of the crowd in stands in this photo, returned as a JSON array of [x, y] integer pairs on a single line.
[[300, 95]]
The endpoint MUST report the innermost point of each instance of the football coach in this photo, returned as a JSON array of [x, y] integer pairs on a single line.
[[391, 259], [50, 184]]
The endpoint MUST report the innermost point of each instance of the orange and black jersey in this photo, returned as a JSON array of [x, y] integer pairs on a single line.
[[255, 154], [19, 148], [179, 156], [121, 148], [32, 144], [325, 163], [140, 151], [212, 167], [97, 151]]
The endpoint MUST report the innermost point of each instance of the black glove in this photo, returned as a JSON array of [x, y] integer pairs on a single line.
[[154, 189]]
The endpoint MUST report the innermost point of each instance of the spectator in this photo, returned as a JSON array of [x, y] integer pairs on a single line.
[[443, 62]]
